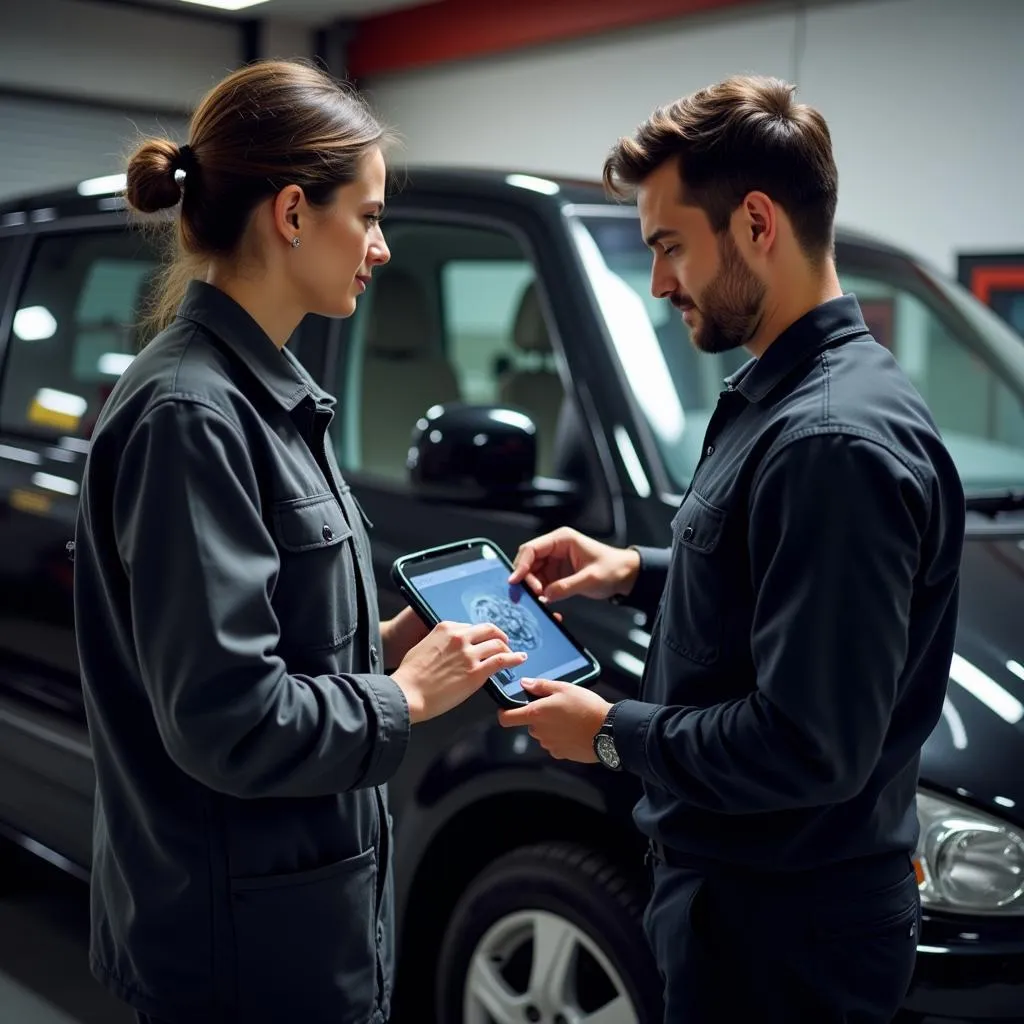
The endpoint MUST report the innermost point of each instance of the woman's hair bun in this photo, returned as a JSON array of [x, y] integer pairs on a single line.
[[151, 184]]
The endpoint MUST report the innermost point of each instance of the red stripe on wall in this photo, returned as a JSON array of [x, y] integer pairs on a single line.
[[447, 30], [986, 280]]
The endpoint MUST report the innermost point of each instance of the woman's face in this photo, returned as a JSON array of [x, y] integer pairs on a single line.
[[342, 243]]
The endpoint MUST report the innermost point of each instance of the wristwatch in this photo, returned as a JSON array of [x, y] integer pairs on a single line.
[[604, 742]]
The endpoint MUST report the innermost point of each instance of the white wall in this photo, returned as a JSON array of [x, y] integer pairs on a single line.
[[113, 53], [124, 71], [925, 100]]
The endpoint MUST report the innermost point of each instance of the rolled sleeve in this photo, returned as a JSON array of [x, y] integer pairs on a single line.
[[201, 566]]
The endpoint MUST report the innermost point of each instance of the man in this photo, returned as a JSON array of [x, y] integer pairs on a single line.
[[806, 611]]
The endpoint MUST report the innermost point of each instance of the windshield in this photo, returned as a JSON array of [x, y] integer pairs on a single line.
[[966, 363]]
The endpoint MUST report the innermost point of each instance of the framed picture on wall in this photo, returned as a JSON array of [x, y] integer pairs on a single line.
[[997, 279]]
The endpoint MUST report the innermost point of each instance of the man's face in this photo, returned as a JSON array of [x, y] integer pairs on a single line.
[[702, 274]]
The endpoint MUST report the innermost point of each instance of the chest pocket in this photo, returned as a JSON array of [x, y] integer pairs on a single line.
[[316, 600], [692, 612]]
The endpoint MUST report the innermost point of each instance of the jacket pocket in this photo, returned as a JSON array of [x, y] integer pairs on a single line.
[[692, 612], [315, 598], [306, 944]]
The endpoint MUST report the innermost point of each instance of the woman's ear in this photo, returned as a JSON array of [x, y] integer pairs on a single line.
[[288, 206]]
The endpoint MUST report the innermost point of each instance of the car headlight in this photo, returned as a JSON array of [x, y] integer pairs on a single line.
[[968, 861]]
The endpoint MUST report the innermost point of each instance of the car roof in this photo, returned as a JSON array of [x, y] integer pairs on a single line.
[[529, 188]]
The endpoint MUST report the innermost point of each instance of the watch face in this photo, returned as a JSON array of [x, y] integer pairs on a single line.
[[606, 751]]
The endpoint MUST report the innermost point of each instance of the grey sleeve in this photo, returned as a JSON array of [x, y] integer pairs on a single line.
[[835, 534], [201, 566]]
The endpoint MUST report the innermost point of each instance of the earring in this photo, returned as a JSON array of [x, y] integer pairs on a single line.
[[295, 242]]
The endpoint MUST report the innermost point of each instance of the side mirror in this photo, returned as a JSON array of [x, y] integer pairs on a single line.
[[487, 456]]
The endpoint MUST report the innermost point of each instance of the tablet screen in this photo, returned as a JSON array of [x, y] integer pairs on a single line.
[[473, 587]]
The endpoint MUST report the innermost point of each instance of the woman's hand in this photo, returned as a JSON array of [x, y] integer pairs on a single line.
[[400, 635], [450, 665]]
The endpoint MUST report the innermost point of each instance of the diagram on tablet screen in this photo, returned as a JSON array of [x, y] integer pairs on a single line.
[[519, 624]]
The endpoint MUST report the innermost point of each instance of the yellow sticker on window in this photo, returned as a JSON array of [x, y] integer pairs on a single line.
[[46, 416], [30, 501]]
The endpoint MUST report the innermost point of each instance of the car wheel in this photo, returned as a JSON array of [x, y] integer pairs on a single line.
[[549, 934]]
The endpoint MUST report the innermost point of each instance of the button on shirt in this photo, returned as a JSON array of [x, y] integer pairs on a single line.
[[805, 612]]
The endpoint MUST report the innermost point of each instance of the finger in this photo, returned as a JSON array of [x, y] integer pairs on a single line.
[[557, 616], [447, 628], [523, 564], [569, 586], [533, 582], [490, 648], [498, 662], [544, 687], [483, 631], [514, 718], [532, 552]]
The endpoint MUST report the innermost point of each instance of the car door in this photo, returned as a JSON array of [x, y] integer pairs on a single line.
[[458, 315], [73, 330]]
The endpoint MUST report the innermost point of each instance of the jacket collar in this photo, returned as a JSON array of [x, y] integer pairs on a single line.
[[824, 326], [276, 369]]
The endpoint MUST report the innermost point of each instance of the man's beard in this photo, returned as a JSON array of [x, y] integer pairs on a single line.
[[731, 306]]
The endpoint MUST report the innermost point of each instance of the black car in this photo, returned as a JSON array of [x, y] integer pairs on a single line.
[[520, 879]]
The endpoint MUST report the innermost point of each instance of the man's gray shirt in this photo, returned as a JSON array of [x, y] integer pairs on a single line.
[[241, 723], [805, 613]]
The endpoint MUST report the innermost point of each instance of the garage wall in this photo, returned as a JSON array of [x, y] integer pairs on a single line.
[[113, 53], [81, 80], [47, 144], [922, 96]]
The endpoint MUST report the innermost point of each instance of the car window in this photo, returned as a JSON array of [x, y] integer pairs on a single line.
[[455, 316], [959, 368], [980, 417], [75, 328]]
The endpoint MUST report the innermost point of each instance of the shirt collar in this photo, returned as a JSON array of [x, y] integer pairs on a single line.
[[825, 325], [276, 369]]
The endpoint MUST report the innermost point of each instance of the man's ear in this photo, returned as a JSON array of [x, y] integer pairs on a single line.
[[760, 221]]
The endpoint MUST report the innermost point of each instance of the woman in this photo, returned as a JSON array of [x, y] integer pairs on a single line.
[[233, 662]]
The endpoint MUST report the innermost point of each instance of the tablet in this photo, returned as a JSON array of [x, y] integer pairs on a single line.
[[468, 582]]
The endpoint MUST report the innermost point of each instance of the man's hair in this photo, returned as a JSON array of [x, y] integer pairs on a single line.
[[746, 134]]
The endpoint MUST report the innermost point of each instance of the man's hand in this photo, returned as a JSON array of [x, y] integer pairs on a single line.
[[564, 721], [400, 635], [565, 563]]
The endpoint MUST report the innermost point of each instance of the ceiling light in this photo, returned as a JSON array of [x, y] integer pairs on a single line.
[[226, 5], [102, 186]]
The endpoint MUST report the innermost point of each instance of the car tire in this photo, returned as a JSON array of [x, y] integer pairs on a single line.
[[585, 915]]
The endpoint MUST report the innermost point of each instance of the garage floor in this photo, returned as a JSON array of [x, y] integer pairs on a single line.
[[44, 937]]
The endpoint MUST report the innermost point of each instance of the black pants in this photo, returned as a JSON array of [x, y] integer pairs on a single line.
[[836, 946], [142, 1018]]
